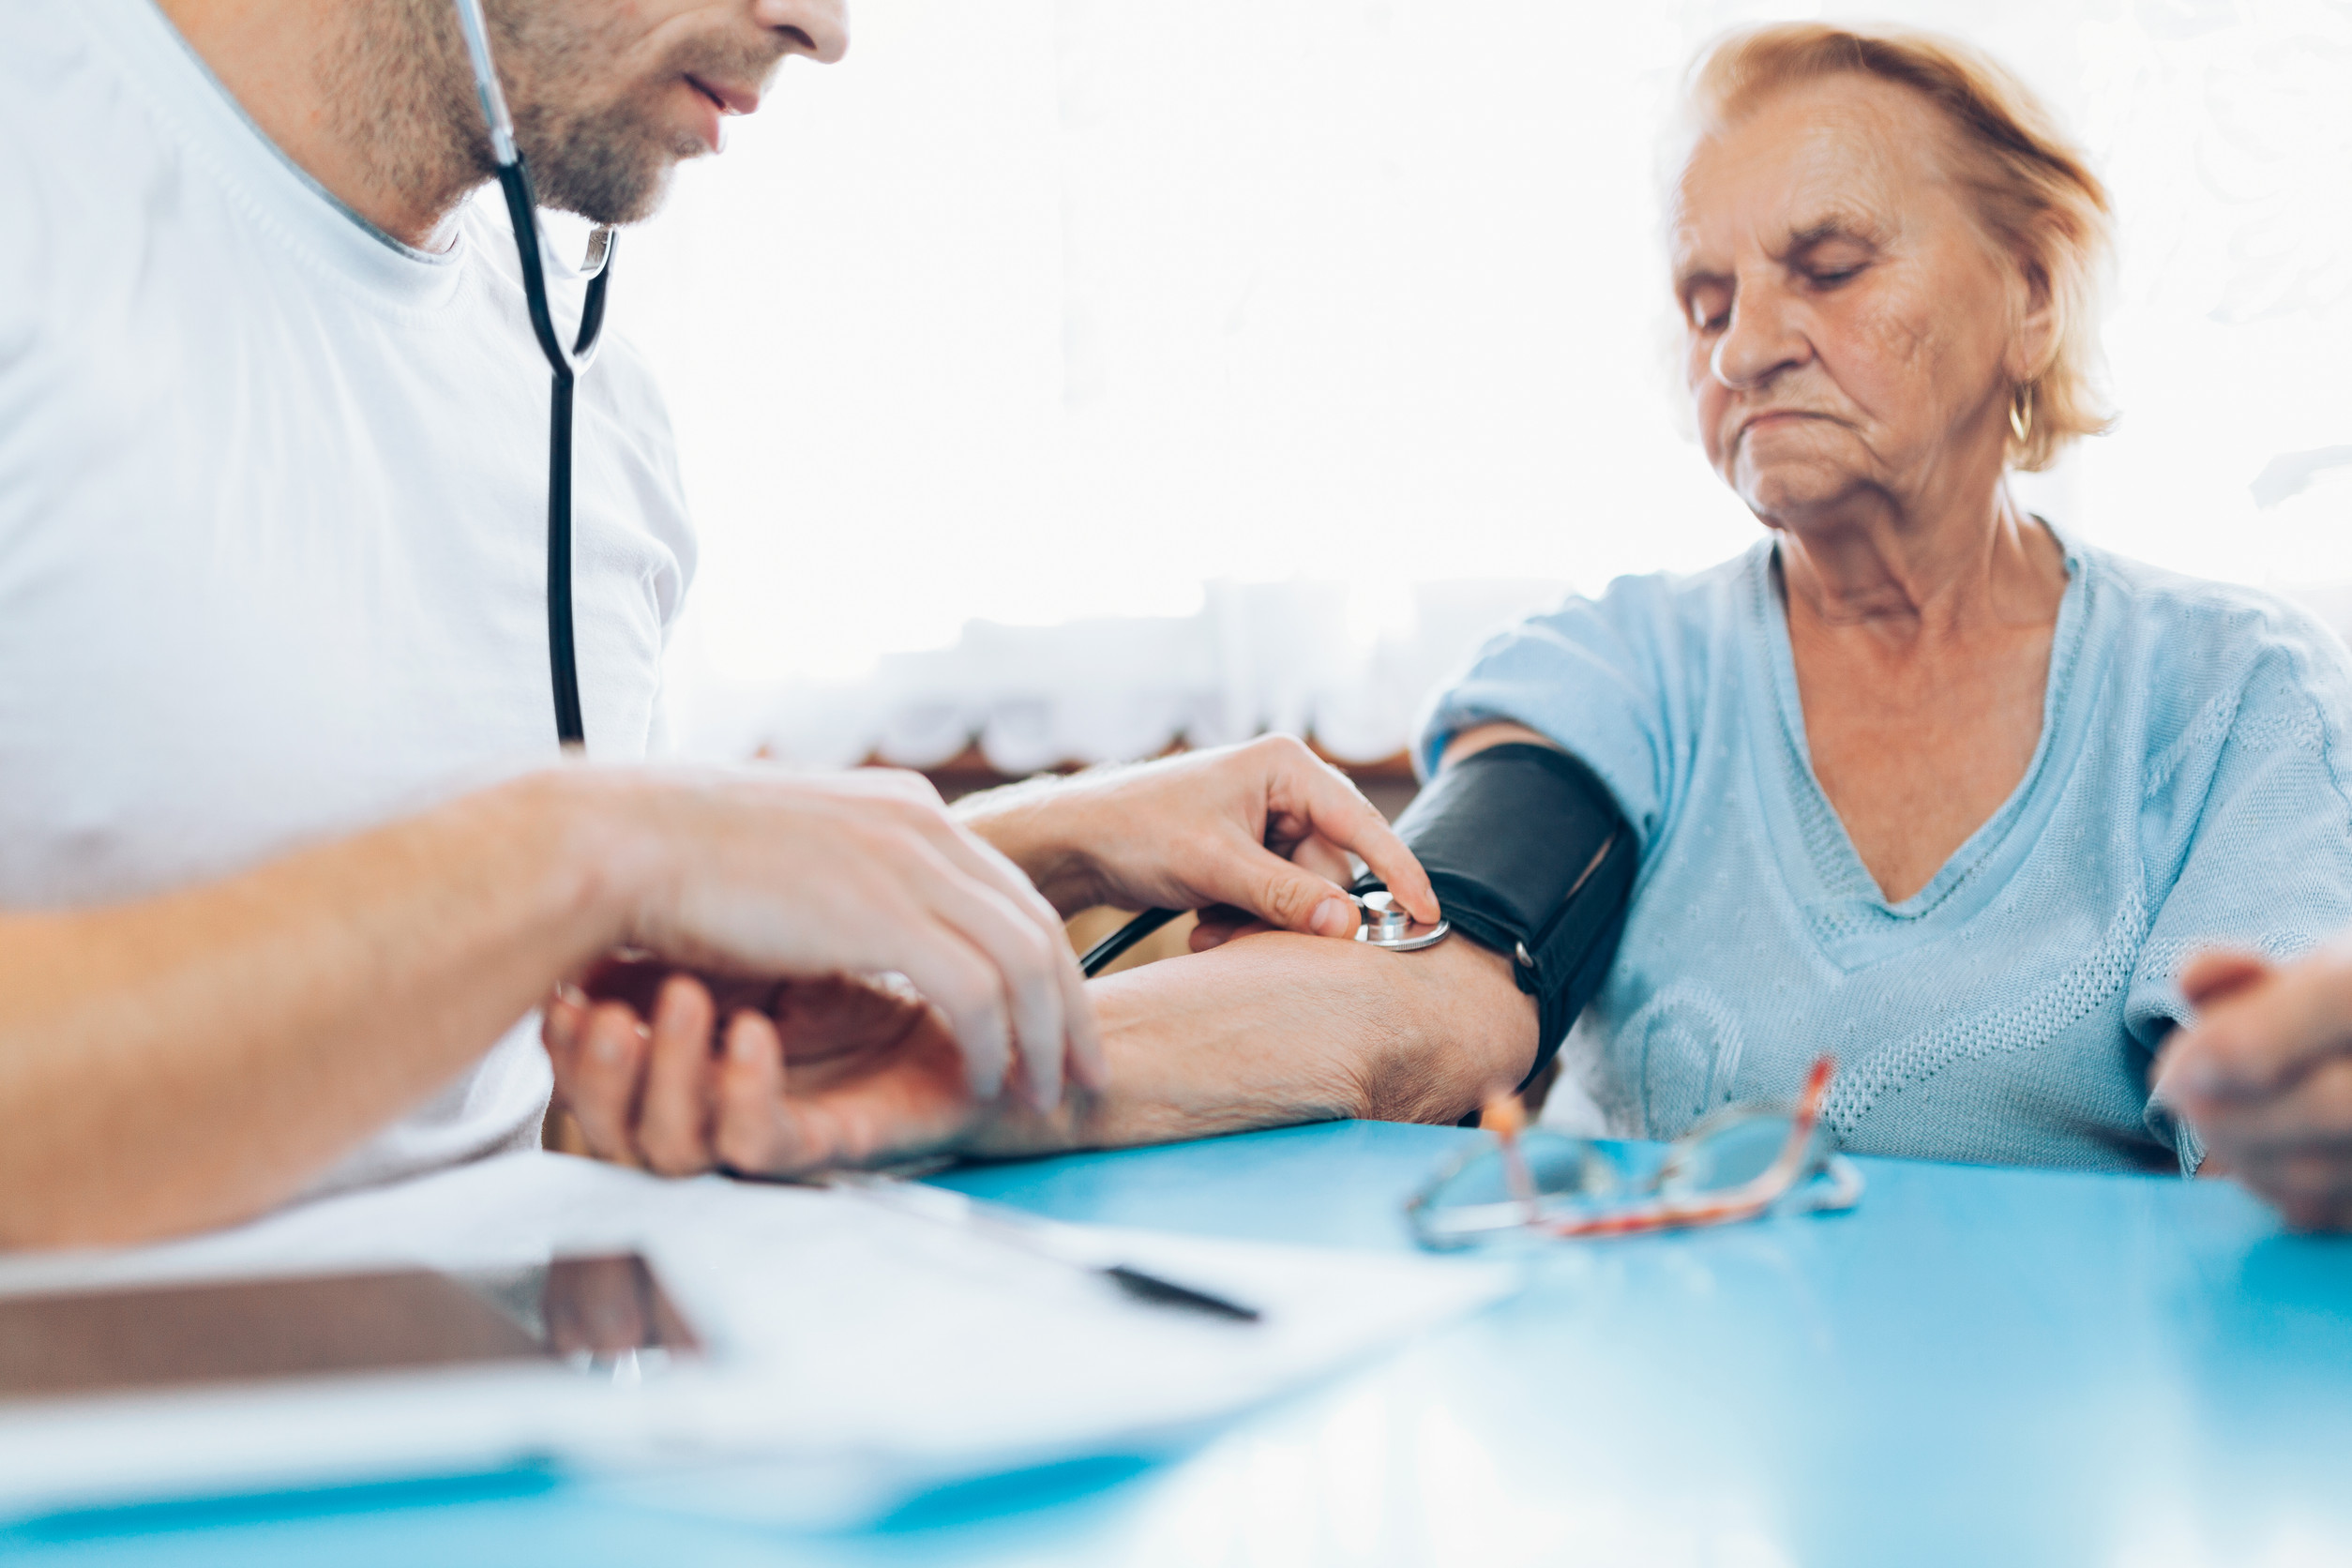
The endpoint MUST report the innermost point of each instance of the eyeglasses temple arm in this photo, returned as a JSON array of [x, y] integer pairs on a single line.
[[1505, 1117]]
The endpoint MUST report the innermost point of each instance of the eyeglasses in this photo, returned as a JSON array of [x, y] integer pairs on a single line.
[[1740, 1163]]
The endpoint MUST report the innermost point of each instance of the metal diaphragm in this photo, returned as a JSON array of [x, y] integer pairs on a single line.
[[1386, 925]]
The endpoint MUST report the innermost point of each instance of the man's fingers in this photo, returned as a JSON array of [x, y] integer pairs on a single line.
[[1376, 845], [2211, 976], [673, 1122], [1325, 859], [561, 1020], [1065, 1009], [891, 783], [1336, 810], [1027, 987], [603, 1092], [2259, 1038], [959, 980], [749, 1130], [1299, 900], [1221, 923]]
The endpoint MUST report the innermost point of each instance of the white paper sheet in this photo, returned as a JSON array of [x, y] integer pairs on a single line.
[[857, 1352]]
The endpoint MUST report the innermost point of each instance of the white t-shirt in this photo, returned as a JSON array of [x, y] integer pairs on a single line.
[[273, 496]]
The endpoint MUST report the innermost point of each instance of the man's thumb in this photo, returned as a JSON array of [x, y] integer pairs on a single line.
[[1299, 900]]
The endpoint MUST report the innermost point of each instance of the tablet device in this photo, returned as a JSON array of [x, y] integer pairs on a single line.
[[606, 1314]]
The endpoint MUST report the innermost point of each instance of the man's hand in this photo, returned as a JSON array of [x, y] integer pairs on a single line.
[[1264, 828], [2265, 1075], [191, 1058], [761, 1078], [759, 872]]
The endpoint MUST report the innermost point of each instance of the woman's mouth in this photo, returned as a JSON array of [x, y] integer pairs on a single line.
[[1778, 418]]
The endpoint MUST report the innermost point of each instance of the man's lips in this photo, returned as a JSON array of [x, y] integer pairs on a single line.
[[714, 104], [732, 98]]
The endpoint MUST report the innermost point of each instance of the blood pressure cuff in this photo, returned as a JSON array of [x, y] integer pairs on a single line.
[[1530, 856]]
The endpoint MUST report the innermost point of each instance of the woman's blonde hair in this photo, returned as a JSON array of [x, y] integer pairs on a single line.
[[2035, 193]]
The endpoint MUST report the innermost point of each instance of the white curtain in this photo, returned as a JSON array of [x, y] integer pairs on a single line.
[[1074, 374]]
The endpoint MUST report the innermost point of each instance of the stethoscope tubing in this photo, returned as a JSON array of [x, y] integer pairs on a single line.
[[1107, 951], [565, 366]]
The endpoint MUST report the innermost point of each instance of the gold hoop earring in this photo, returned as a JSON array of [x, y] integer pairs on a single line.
[[2021, 412]]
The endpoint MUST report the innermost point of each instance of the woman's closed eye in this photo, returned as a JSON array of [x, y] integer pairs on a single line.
[[1708, 306], [1830, 262]]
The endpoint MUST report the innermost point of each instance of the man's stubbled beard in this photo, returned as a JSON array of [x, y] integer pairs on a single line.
[[406, 87], [401, 91], [608, 157]]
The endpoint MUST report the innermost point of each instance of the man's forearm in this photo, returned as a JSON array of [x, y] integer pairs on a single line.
[[1275, 1028], [194, 1058]]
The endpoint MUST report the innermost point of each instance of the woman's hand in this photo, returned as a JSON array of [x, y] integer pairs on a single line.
[[681, 1074], [1264, 828], [2265, 1075]]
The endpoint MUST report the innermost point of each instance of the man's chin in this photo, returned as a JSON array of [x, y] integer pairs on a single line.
[[613, 204], [607, 180]]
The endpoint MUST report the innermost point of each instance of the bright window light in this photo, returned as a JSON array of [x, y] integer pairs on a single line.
[[1351, 314]]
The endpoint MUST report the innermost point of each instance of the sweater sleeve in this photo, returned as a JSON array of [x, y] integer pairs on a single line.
[[1608, 679], [2247, 830]]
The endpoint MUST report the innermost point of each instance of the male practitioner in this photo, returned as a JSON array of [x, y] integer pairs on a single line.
[[285, 847]]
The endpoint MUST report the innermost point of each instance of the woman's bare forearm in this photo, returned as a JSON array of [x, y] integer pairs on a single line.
[[1276, 1028], [194, 1058]]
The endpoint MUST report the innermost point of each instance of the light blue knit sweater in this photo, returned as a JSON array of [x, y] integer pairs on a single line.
[[2191, 788]]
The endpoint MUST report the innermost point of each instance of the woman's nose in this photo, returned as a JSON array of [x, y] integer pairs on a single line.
[[1757, 343], [823, 26]]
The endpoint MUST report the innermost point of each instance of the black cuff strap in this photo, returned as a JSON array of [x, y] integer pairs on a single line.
[[1530, 857]]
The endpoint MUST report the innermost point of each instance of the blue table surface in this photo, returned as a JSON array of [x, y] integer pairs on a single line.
[[1978, 1365]]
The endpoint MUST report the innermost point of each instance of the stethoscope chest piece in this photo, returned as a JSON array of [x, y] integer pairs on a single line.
[[1387, 924]]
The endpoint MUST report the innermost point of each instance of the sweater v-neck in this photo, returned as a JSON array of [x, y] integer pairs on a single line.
[[1848, 914]]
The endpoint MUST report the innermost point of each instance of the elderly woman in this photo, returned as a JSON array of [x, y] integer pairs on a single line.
[[1918, 780]]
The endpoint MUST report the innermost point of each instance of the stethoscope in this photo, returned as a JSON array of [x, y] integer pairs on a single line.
[[1380, 922], [566, 365]]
